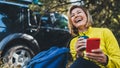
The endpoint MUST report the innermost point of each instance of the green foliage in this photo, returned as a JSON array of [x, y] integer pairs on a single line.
[[105, 13], [55, 5]]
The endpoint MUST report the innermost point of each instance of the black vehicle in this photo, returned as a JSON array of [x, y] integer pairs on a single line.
[[24, 33]]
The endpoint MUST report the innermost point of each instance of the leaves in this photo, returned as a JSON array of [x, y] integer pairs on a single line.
[[105, 13]]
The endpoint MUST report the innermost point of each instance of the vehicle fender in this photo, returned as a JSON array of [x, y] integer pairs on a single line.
[[11, 37]]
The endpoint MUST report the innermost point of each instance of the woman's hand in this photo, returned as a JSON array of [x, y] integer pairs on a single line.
[[98, 56], [80, 46]]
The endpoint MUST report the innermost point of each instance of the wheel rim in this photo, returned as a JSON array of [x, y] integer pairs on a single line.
[[20, 57]]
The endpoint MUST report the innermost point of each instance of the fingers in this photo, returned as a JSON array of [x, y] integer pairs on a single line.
[[80, 42], [80, 45], [96, 51], [98, 56], [95, 56], [81, 48], [98, 59]]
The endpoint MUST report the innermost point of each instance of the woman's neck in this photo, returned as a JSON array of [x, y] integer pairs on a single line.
[[82, 29]]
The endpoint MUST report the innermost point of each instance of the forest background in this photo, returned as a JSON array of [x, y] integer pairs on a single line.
[[105, 13]]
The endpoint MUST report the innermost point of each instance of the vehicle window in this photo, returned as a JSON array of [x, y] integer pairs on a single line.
[[61, 21], [2, 24], [15, 12], [34, 18], [14, 16], [46, 21]]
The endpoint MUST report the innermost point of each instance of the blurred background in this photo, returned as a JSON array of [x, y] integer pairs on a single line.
[[105, 13]]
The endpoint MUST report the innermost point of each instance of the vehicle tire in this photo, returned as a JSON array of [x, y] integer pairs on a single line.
[[18, 55]]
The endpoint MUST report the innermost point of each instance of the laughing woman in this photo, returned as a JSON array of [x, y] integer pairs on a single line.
[[107, 56]]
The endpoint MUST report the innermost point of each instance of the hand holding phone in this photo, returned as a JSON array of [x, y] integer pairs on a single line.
[[92, 43]]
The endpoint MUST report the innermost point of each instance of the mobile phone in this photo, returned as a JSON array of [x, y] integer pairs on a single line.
[[92, 43]]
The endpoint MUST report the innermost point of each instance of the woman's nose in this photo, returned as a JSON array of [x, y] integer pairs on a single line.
[[76, 15]]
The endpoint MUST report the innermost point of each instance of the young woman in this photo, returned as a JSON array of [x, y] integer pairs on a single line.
[[107, 56]]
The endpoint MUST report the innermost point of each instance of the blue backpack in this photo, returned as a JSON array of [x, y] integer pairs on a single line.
[[55, 57]]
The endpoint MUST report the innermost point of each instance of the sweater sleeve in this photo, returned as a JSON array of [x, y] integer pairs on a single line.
[[113, 50], [72, 48]]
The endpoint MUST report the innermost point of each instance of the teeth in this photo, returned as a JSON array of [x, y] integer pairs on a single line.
[[78, 19]]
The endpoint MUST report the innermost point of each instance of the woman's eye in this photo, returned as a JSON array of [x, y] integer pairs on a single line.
[[71, 15], [78, 12]]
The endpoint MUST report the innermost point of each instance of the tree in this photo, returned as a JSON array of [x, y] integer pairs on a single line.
[[105, 13]]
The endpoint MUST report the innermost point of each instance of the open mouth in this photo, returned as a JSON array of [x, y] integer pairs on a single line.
[[78, 19]]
